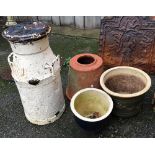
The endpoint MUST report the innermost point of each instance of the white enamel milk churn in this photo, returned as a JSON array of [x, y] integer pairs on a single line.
[[36, 71]]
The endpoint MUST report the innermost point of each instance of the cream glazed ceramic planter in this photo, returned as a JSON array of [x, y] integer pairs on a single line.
[[127, 87], [91, 107], [36, 71]]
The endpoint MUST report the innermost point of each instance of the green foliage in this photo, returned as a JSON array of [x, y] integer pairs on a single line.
[[66, 62]]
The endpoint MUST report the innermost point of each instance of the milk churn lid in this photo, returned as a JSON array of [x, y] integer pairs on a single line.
[[26, 32]]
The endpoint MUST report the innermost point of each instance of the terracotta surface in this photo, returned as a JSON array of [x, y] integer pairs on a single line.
[[84, 72]]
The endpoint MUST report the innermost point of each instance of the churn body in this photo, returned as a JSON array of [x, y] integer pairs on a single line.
[[36, 71]]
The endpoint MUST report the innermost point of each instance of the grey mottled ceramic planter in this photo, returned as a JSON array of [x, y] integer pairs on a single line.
[[127, 87]]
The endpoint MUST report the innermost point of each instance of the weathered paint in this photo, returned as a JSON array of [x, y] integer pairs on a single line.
[[45, 18], [92, 21], [43, 103], [83, 75], [56, 20], [67, 20], [36, 71], [26, 32], [37, 65], [38, 47], [79, 22]]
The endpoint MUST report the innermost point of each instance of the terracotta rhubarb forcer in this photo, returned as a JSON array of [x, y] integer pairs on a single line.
[[84, 72], [128, 41]]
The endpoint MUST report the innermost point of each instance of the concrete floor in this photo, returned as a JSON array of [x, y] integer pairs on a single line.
[[12, 119]]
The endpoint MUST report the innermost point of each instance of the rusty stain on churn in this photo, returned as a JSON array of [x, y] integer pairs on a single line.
[[36, 71], [84, 72]]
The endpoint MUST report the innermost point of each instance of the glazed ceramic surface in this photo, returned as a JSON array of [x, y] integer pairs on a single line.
[[126, 104], [91, 107]]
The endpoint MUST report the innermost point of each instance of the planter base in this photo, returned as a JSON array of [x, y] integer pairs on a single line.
[[126, 115]]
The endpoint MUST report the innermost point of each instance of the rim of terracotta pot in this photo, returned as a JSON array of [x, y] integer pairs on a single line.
[[144, 90], [96, 63], [89, 119]]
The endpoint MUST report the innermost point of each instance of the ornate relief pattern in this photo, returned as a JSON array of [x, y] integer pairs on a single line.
[[128, 41]]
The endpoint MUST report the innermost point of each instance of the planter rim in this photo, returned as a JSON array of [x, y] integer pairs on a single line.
[[89, 119], [97, 63], [144, 90]]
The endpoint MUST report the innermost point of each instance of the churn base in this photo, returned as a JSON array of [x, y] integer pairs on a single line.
[[47, 121]]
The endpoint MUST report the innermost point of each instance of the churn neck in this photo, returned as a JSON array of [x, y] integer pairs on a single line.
[[26, 32]]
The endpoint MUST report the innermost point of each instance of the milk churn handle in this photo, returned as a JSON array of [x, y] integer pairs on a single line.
[[52, 66], [9, 59]]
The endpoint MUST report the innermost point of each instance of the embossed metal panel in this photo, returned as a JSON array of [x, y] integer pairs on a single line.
[[129, 41]]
